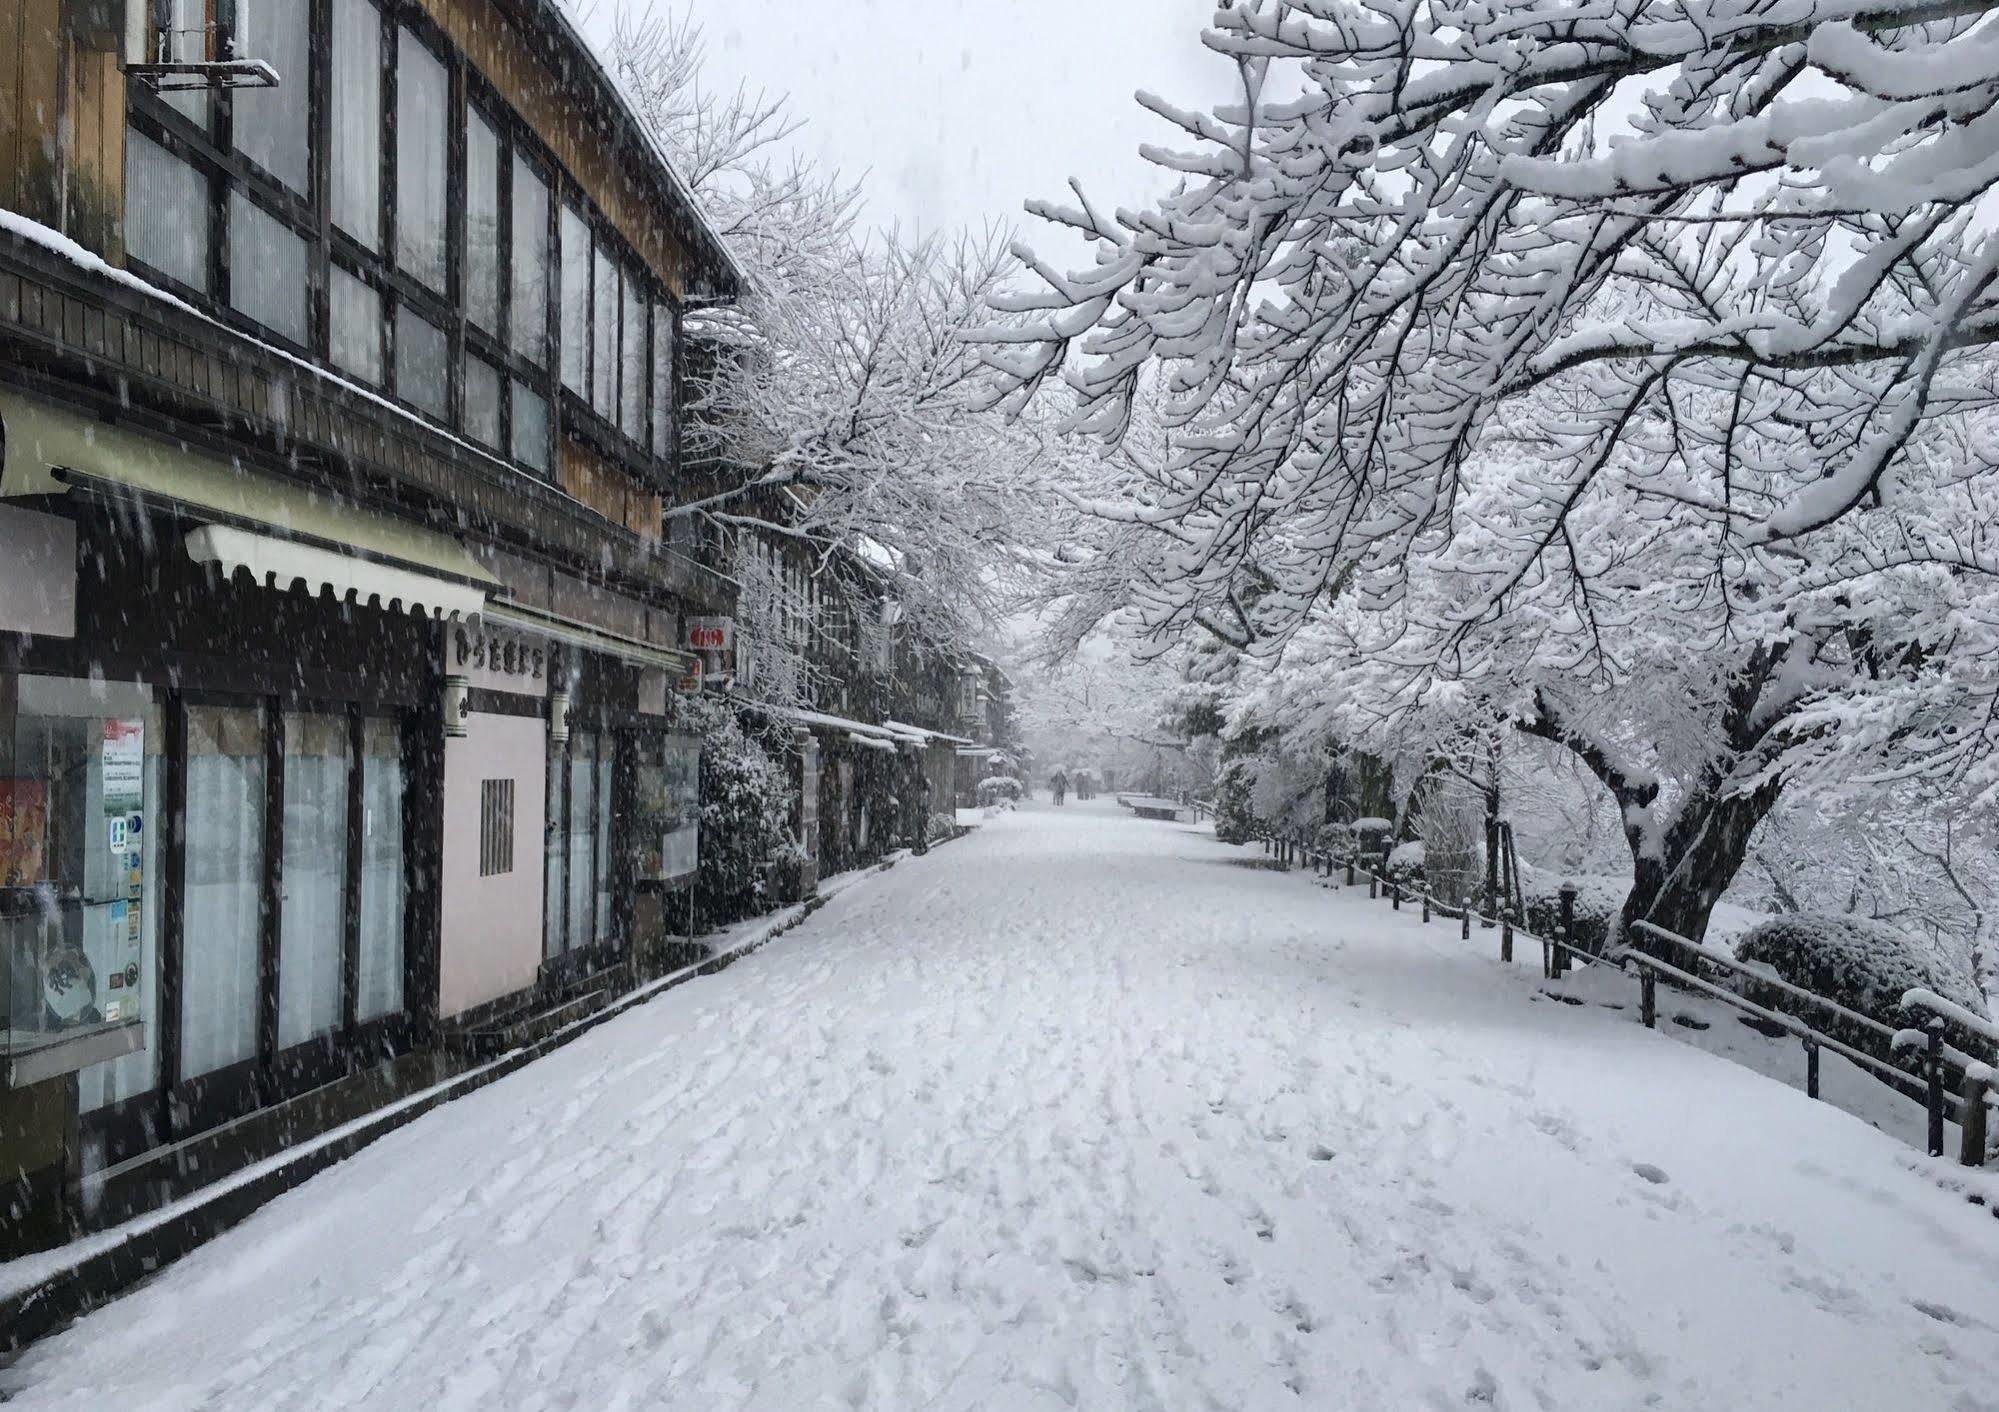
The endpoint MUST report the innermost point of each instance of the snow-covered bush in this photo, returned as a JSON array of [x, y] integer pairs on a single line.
[[999, 791], [745, 817], [1405, 860], [1598, 901], [942, 827], [1862, 964], [1234, 820]]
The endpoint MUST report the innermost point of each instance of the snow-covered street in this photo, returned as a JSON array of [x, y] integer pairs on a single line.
[[1083, 1112]]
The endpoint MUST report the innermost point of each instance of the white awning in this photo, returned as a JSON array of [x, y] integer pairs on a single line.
[[282, 563], [594, 639]]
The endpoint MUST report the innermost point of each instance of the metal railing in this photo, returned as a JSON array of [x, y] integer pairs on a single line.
[[1928, 1080]]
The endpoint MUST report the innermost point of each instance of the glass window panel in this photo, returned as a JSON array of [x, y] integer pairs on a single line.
[[662, 380], [312, 907], [575, 302], [222, 902], [378, 986], [78, 783], [530, 417], [356, 172], [269, 124], [603, 792], [482, 223], [632, 367], [604, 340], [555, 855], [356, 333], [267, 269], [167, 222], [482, 401], [582, 844], [422, 93], [529, 330], [115, 1080], [422, 363]]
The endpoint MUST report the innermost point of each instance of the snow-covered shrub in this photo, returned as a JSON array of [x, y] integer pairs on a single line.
[[1862, 964], [996, 791], [1405, 860], [746, 796], [942, 827], [1598, 903], [1234, 820]]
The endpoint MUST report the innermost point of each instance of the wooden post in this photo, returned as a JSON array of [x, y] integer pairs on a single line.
[[1349, 881], [1811, 1068], [1491, 870], [1567, 930], [1506, 938], [1934, 1062], [1971, 1150], [1373, 887], [1426, 905], [1648, 1003], [1395, 883], [1464, 922]]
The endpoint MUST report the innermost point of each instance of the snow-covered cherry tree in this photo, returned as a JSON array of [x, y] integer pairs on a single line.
[[1614, 374]]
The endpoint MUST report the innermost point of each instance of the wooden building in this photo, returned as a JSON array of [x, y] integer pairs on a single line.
[[338, 635]]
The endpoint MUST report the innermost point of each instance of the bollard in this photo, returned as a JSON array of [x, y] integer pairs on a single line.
[[1934, 1062], [1426, 907], [1971, 1150], [1648, 1003], [1464, 922], [1395, 883], [1506, 937], [1567, 895], [1349, 882], [1373, 887], [1811, 1068]]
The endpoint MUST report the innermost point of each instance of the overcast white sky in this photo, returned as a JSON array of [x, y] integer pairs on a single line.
[[958, 110]]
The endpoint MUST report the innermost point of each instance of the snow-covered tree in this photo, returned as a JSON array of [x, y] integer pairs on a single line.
[[1615, 375], [829, 406]]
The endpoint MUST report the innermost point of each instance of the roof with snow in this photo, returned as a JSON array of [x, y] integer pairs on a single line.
[[716, 276]]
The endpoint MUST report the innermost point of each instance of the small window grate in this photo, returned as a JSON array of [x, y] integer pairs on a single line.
[[496, 827]]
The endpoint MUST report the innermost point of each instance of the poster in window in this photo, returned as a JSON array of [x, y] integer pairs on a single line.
[[24, 831], [124, 766]]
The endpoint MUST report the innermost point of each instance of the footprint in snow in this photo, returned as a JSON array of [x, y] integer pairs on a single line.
[[1651, 1173]]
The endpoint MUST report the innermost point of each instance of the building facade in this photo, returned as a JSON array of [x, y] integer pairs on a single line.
[[339, 637]]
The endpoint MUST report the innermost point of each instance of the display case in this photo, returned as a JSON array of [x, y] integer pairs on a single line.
[[78, 779], [666, 808]]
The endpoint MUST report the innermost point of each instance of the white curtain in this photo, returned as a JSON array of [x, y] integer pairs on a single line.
[[224, 888], [313, 885]]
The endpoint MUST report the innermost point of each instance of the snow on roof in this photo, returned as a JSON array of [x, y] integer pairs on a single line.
[[663, 165], [926, 733], [873, 552]]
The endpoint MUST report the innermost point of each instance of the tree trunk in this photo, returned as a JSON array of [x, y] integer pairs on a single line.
[[1676, 887]]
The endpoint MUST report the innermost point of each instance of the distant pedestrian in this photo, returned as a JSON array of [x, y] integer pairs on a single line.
[[1058, 785]]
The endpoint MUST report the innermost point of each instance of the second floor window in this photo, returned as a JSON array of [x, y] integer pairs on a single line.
[[422, 93], [355, 186], [384, 210]]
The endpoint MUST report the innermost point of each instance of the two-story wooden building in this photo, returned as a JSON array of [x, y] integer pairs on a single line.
[[338, 350]]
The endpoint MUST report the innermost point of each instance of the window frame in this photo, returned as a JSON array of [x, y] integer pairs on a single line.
[[208, 146]]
